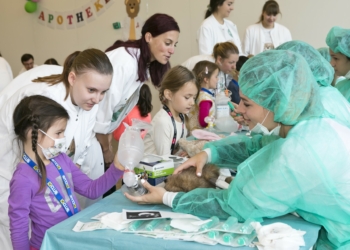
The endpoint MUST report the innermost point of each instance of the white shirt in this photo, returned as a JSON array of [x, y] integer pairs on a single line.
[[158, 139], [192, 61], [5, 73], [254, 39], [23, 69], [212, 32], [123, 94]]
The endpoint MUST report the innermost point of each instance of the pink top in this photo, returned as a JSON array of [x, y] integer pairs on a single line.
[[134, 113], [204, 108]]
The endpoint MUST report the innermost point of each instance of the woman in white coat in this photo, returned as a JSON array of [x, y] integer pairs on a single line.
[[81, 85], [266, 34], [216, 28], [134, 62]]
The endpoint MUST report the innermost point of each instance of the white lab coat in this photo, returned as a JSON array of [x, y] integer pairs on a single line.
[[80, 126], [5, 73], [212, 32], [192, 61], [23, 69], [254, 38], [124, 92]]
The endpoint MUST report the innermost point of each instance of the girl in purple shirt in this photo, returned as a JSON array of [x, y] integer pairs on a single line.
[[43, 186]]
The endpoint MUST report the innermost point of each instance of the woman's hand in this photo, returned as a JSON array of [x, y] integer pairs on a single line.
[[198, 161], [154, 195]]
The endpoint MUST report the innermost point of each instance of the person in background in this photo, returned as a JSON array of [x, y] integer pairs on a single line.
[[51, 61], [233, 85], [28, 63], [338, 41], [225, 55], [207, 77], [266, 34], [291, 174], [216, 28], [178, 92], [5, 73], [325, 53], [142, 111]]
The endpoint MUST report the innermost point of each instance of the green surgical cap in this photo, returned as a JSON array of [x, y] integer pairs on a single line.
[[281, 81], [320, 68], [325, 53], [338, 40]]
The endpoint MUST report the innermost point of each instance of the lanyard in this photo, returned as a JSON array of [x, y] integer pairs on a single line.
[[173, 142], [207, 91], [53, 189]]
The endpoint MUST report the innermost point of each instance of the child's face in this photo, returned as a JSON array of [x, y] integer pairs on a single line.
[[183, 100], [340, 63], [56, 131], [214, 78], [89, 88]]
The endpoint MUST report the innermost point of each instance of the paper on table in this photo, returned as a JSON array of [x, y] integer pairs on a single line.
[[129, 215]]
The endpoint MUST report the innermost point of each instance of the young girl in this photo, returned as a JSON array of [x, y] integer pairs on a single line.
[[338, 40], [207, 77], [44, 183], [178, 92]]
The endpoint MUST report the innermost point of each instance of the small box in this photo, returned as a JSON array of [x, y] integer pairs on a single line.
[[155, 168]]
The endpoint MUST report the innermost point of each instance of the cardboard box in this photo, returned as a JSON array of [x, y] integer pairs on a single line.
[[155, 168]]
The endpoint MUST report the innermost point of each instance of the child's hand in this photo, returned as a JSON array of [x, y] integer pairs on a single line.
[[117, 163]]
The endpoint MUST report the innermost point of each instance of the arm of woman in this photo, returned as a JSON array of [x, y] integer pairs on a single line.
[[233, 150], [203, 111], [19, 209]]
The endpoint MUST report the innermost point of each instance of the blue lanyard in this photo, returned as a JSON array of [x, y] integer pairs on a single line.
[[53, 189], [207, 91]]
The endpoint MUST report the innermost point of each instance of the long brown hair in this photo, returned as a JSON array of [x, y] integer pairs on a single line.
[[213, 7], [80, 62], [37, 112], [204, 69], [156, 25], [271, 7], [175, 79]]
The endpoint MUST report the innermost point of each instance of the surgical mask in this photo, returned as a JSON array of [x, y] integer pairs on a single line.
[[55, 150], [261, 129], [347, 76]]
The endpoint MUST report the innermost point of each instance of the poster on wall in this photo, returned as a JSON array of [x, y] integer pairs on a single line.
[[73, 18]]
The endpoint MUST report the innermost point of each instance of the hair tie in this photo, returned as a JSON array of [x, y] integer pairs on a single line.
[[208, 7]]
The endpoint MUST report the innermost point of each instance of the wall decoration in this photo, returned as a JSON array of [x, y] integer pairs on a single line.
[[74, 18], [132, 23]]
